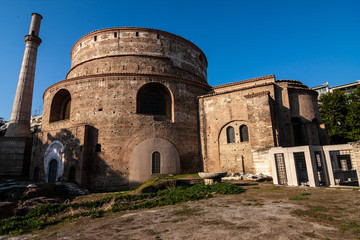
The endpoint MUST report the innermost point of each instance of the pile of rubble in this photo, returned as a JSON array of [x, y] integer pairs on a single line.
[[18, 197], [241, 176]]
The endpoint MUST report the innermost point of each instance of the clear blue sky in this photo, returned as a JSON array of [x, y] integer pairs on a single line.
[[307, 40]]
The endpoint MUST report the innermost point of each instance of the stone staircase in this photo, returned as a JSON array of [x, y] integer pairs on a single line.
[[75, 189]]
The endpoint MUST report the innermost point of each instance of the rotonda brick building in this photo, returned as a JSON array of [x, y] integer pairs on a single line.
[[136, 102]]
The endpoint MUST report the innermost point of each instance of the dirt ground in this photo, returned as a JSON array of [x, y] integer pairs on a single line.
[[263, 211]]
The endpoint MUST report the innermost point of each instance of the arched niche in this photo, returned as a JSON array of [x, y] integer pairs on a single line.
[[142, 157], [55, 151]]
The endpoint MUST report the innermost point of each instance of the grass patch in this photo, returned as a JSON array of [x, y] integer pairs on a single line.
[[272, 189], [242, 227], [305, 194], [310, 234], [351, 226], [298, 198], [175, 195], [258, 204], [46, 215], [187, 211], [317, 212]]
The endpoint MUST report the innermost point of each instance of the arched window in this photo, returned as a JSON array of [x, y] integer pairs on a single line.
[[230, 135], [244, 134], [154, 99], [153, 102], [155, 163], [60, 106]]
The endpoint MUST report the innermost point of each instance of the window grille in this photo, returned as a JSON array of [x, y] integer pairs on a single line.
[[300, 164], [280, 167]]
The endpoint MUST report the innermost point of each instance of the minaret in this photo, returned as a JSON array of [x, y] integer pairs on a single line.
[[19, 125]]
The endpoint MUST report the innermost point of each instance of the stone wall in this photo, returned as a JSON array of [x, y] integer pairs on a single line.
[[356, 159], [15, 155]]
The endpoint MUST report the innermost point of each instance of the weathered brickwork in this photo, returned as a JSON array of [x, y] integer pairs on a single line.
[[137, 50], [104, 84]]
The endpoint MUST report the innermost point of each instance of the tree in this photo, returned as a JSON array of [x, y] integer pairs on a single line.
[[341, 115], [333, 111], [353, 115], [2, 129]]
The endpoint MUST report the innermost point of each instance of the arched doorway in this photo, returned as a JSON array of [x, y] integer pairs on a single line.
[[53, 167]]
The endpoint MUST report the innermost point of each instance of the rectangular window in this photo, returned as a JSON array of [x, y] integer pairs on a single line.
[[320, 168], [300, 163], [280, 168]]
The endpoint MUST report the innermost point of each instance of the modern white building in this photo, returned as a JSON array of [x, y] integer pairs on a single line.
[[346, 88]]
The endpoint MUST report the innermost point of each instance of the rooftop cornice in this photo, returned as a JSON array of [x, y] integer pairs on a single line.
[[236, 90], [244, 81], [292, 82]]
